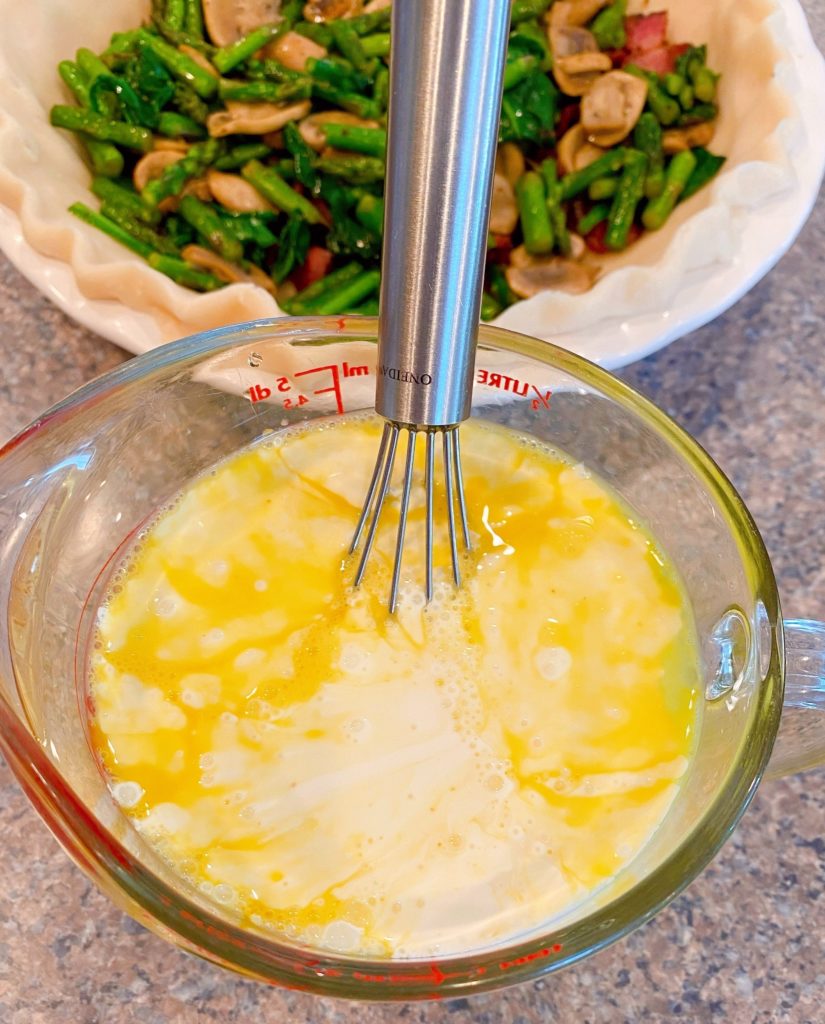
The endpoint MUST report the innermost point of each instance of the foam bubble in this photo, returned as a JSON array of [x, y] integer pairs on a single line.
[[127, 794], [249, 658], [553, 662]]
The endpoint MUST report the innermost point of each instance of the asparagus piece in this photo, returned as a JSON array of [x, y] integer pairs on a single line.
[[593, 218], [303, 157], [175, 176], [381, 91], [628, 196], [704, 84], [263, 91], [499, 288], [273, 187], [184, 273], [359, 170], [358, 105], [377, 45], [374, 21], [524, 10], [555, 210], [603, 188], [490, 308], [318, 33], [370, 213], [707, 167], [349, 43], [677, 175], [350, 294], [138, 229], [608, 26], [535, 219], [700, 112], [91, 65], [179, 64], [517, 70], [114, 194], [228, 57], [577, 181], [272, 69], [300, 303], [368, 308], [356, 139], [106, 158], [109, 227], [687, 97], [647, 137], [98, 126], [663, 106], [193, 18], [206, 220], [240, 155], [175, 14], [175, 125], [189, 103]]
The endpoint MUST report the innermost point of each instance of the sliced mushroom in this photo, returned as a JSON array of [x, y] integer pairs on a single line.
[[577, 60], [199, 59], [261, 278], [577, 12], [676, 140], [504, 210], [170, 145], [548, 273], [228, 20], [199, 188], [236, 193], [578, 247], [612, 107], [205, 259], [294, 50], [510, 162], [575, 152], [152, 165], [310, 127], [332, 10], [254, 118]]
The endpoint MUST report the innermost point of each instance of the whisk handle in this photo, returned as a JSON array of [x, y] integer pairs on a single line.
[[445, 98]]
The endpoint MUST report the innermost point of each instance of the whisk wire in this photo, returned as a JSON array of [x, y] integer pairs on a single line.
[[459, 479], [449, 483], [376, 473], [391, 432], [379, 488], [402, 519], [429, 486]]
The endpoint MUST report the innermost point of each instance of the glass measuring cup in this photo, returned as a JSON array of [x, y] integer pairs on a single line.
[[76, 485]]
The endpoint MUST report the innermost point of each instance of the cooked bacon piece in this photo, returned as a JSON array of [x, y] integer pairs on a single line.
[[646, 31]]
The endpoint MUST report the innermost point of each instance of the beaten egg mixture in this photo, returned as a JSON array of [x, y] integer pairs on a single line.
[[433, 782]]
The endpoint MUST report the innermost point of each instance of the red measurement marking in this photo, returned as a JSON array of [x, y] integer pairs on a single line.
[[342, 323], [522, 388], [506, 965], [337, 371], [543, 401], [435, 976], [258, 393]]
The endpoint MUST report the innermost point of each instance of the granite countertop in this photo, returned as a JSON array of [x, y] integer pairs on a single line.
[[744, 943]]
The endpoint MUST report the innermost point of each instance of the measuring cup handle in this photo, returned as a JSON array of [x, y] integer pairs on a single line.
[[801, 741]]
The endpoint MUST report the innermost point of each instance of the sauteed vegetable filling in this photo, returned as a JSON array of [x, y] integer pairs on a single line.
[[235, 142]]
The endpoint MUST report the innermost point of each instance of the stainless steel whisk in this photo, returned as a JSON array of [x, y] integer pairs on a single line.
[[445, 98]]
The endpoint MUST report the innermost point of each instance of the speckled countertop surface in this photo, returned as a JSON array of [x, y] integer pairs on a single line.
[[745, 943]]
